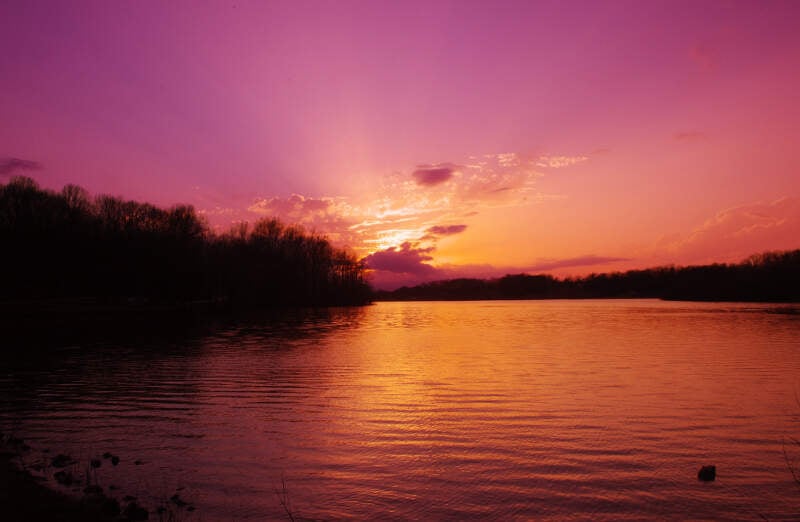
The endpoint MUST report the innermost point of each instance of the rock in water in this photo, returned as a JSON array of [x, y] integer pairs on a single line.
[[707, 473]]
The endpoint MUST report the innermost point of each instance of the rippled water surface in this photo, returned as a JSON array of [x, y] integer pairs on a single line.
[[562, 410]]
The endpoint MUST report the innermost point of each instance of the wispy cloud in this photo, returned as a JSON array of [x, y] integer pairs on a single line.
[[10, 165], [423, 204], [399, 211], [446, 230], [573, 262], [333, 217], [735, 233], [559, 162]]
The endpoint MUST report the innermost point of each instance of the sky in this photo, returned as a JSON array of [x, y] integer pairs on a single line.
[[434, 139]]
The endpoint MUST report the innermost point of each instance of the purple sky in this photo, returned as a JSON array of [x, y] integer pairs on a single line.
[[608, 130]]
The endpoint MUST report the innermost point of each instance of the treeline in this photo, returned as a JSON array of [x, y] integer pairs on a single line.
[[768, 277], [69, 245]]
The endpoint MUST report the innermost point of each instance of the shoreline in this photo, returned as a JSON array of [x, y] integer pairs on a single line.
[[27, 497], [379, 299], [24, 498]]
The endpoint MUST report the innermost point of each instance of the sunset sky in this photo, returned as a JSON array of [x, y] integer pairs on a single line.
[[440, 139]]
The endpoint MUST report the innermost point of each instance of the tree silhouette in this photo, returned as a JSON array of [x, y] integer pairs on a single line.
[[68, 245], [768, 277]]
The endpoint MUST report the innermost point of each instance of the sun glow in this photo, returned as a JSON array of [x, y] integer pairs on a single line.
[[393, 238]]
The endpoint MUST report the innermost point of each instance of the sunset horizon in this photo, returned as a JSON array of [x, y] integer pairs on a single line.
[[436, 260], [554, 140]]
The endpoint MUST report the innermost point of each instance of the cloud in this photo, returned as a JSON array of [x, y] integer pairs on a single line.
[[432, 175], [571, 262], [735, 233], [392, 209], [408, 266], [446, 230], [507, 159], [406, 259], [218, 211], [296, 206], [559, 162], [10, 165], [397, 211], [333, 217]]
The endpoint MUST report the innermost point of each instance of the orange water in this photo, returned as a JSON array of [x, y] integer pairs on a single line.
[[561, 410]]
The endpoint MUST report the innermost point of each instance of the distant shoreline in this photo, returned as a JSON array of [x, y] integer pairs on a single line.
[[770, 277], [627, 298]]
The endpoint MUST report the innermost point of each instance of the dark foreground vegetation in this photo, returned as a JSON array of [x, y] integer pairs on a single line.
[[24, 499], [69, 248], [29, 497], [768, 277]]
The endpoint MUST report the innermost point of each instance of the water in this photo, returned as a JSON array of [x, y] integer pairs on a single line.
[[562, 410]]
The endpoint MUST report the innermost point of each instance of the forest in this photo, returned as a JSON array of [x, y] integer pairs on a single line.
[[767, 277], [71, 246]]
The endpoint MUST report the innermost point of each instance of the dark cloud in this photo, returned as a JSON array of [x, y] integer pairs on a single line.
[[446, 230], [407, 266], [10, 165], [573, 262], [405, 259], [431, 175]]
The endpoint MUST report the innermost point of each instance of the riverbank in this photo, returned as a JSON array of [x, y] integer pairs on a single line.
[[770, 277], [24, 499], [28, 496]]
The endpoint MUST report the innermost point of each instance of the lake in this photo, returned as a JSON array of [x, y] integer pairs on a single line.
[[502, 410]]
